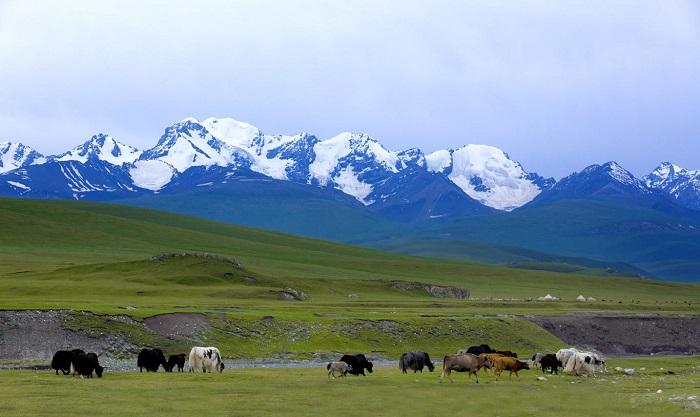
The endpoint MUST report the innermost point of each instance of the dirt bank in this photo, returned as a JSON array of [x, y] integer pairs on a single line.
[[626, 335], [36, 335], [178, 325]]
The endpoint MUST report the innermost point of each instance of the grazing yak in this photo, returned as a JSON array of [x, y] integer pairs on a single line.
[[563, 355], [415, 361], [339, 368], [551, 363], [206, 359], [173, 360], [584, 363], [151, 359], [62, 360], [476, 350], [507, 363], [358, 363], [462, 363], [85, 363]]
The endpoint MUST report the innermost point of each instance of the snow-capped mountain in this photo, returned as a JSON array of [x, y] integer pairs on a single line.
[[94, 180], [16, 155], [680, 183], [211, 151], [353, 163], [609, 182], [184, 145], [280, 157], [488, 175], [101, 147], [608, 179]]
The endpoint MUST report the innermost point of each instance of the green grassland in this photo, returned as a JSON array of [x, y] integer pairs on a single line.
[[99, 258], [386, 392]]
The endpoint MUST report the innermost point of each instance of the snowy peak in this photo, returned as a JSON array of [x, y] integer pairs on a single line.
[[103, 148], [188, 144], [411, 157], [231, 131], [486, 174], [608, 181], [352, 163], [666, 174], [680, 183], [617, 173], [16, 155], [184, 145]]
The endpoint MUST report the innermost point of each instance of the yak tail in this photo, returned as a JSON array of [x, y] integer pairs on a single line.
[[328, 367]]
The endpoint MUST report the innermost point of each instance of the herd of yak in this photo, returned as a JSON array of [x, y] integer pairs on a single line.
[[471, 360], [77, 362]]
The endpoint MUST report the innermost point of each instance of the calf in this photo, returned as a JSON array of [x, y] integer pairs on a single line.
[[173, 360], [506, 363], [85, 363], [340, 368]]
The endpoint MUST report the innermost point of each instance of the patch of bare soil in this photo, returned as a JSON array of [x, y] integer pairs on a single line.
[[36, 335], [626, 335], [178, 325]]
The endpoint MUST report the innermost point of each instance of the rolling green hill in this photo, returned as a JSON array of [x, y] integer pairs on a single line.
[[512, 256], [665, 245], [282, 206], [46, 237], [580, 235]]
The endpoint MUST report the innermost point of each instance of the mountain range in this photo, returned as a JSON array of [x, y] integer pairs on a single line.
[[351, 188]]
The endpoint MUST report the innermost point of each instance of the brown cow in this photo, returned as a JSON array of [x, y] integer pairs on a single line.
[[508, 364], [462, 363], [488, 357]]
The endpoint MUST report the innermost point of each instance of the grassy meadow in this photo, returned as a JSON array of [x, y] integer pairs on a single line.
[[386, 392]]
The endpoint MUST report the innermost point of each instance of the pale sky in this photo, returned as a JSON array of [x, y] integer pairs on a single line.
[[558, 85]]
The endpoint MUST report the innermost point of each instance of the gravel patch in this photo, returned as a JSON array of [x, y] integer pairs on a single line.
[[626, 335]]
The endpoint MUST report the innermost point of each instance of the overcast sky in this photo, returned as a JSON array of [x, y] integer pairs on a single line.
[[556, 84]]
